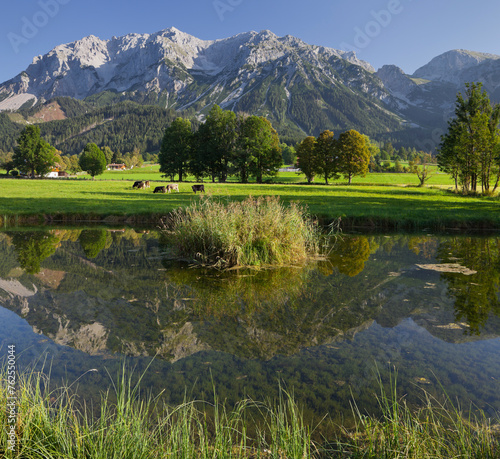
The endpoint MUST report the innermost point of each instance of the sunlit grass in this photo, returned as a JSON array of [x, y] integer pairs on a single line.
[[433, 430], [56, 423], [152, 172], [376, 205]]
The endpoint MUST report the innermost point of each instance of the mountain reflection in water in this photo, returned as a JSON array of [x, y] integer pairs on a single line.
[[425, 305]]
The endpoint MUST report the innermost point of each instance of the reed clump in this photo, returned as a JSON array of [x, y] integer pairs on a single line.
[[255, 232]]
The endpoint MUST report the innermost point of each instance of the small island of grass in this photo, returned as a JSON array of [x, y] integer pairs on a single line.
[[258, 231]]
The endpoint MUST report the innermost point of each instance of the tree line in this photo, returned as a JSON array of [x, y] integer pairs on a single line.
[[34, 156], [225, 144], [327, 157], [246, 146]]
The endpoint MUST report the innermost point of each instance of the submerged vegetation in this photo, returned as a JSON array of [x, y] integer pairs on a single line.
[[255, 232], [55, 423]]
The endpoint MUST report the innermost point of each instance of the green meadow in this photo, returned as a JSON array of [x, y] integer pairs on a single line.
[[152, 172], [379, 203]]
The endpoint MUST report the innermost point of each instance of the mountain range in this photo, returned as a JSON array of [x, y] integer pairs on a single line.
[[302, 89]]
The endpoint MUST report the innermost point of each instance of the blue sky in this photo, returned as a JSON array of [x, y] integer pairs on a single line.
[[407, 33]]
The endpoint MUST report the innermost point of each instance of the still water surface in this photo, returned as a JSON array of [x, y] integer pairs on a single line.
[[425, 307]]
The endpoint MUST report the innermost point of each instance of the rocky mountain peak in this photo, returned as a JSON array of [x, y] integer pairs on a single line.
[[147, 62], [396, 81], [450, 65]]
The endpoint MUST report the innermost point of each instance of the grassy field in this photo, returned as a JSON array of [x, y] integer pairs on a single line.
[[152, 172], [388, 200]]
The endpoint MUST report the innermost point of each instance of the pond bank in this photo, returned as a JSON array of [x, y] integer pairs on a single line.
[[345, 223]]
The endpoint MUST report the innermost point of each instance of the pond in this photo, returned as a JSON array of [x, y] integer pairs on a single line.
[[422, 309]]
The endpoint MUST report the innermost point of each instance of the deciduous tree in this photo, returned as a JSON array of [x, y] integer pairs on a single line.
[[325, 156], [468, 151], [33, 155], [353, 154], [259, 151], [306, 157], [216, 142], [176, 148], [93, 160]]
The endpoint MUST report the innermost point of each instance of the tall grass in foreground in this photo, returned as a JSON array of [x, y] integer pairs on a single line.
[[254, 232], [54, 424], [435, 430]]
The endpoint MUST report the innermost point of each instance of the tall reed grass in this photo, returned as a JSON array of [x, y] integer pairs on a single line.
[[433, 430], [56, 424], [254, 232]]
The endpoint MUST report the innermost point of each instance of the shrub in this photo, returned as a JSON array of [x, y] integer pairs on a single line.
[[255, 232]]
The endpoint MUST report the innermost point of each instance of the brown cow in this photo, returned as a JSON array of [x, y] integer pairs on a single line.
[[146, 184], [172, 187], [160, 189], [200, 188]]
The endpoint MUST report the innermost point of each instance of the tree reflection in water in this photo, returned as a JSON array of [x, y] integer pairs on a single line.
[[33, 247], [321, 327], [476, 297]]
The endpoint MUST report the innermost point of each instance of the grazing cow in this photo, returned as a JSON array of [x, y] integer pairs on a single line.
[[137, 185], [200, 188], [160, 189], [172, 187]]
